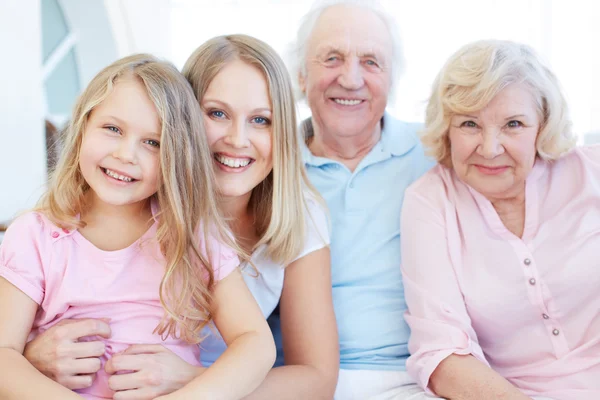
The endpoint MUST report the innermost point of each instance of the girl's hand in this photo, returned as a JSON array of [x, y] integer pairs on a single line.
[[58, 353], [144, 372]]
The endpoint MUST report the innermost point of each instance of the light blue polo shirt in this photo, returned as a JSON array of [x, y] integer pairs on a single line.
[[365, 244]]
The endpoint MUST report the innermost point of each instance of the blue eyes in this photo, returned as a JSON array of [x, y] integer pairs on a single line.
[[368, 62], [151, 142], [261, 121], [217, 114]]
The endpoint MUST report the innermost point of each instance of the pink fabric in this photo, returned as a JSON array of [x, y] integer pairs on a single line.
[[528, 307], [71, 278]]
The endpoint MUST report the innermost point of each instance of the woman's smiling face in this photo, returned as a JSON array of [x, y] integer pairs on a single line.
[[238, 112]]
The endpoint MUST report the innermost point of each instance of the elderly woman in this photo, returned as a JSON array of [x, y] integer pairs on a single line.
[[501, 241]]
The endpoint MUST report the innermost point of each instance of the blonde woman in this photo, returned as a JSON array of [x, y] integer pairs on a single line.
[[249, 114], [129, 230], [500, 241]]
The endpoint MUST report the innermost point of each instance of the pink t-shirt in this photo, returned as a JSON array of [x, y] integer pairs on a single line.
[[71, 278], [528, 307]]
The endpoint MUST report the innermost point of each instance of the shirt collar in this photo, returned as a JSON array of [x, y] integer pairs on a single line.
[[396, 136], [396, 139]]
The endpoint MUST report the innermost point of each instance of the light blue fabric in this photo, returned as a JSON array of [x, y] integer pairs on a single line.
[[364, 207]]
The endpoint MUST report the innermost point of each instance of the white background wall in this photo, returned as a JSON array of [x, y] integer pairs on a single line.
[[22, 146], [141, 26], [565, 32]]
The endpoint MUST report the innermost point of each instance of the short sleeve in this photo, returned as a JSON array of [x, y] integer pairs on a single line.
[[223, 259], [23, 251], [316, 232], [437, 315]]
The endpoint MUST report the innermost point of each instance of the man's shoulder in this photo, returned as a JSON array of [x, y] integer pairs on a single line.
[[394, 124], [402, 137]]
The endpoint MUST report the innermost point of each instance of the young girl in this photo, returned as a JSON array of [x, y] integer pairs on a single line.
[[129, 230], [249, 113]]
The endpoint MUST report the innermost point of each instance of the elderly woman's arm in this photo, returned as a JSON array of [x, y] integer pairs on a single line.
[[465, 377], [445, 354]]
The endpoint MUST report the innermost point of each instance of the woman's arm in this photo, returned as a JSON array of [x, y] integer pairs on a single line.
[[309, 331], [58, 353], [445, 354], [465, 377], [19, 380], [250, 350]]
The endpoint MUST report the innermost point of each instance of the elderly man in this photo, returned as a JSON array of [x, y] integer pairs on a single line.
[[361, 160]]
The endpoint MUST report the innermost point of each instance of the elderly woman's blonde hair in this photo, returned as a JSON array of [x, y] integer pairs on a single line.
[[475, 74], [278, 202]]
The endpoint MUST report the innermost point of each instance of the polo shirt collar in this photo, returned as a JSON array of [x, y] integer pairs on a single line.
[[396, 139]]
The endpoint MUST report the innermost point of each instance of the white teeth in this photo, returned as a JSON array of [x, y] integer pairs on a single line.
[[117, 176], [233, 162], [347, 102]]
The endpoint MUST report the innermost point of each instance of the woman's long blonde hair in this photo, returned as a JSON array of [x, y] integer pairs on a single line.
[[278, 202], [185, 197]]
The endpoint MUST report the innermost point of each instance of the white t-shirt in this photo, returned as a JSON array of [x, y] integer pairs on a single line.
[[268, 285]]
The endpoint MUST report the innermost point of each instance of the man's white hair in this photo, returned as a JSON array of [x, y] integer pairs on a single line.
[[298, 50]]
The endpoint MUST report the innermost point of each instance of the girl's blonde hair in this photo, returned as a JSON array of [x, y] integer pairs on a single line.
[[187, 207], [475, 74], [277, 203]]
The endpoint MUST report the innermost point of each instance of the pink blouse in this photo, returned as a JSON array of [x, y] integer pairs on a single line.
[[70, 278], [528, 307]]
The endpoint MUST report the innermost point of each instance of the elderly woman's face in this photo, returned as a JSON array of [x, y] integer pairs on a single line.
[[493, 150]]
